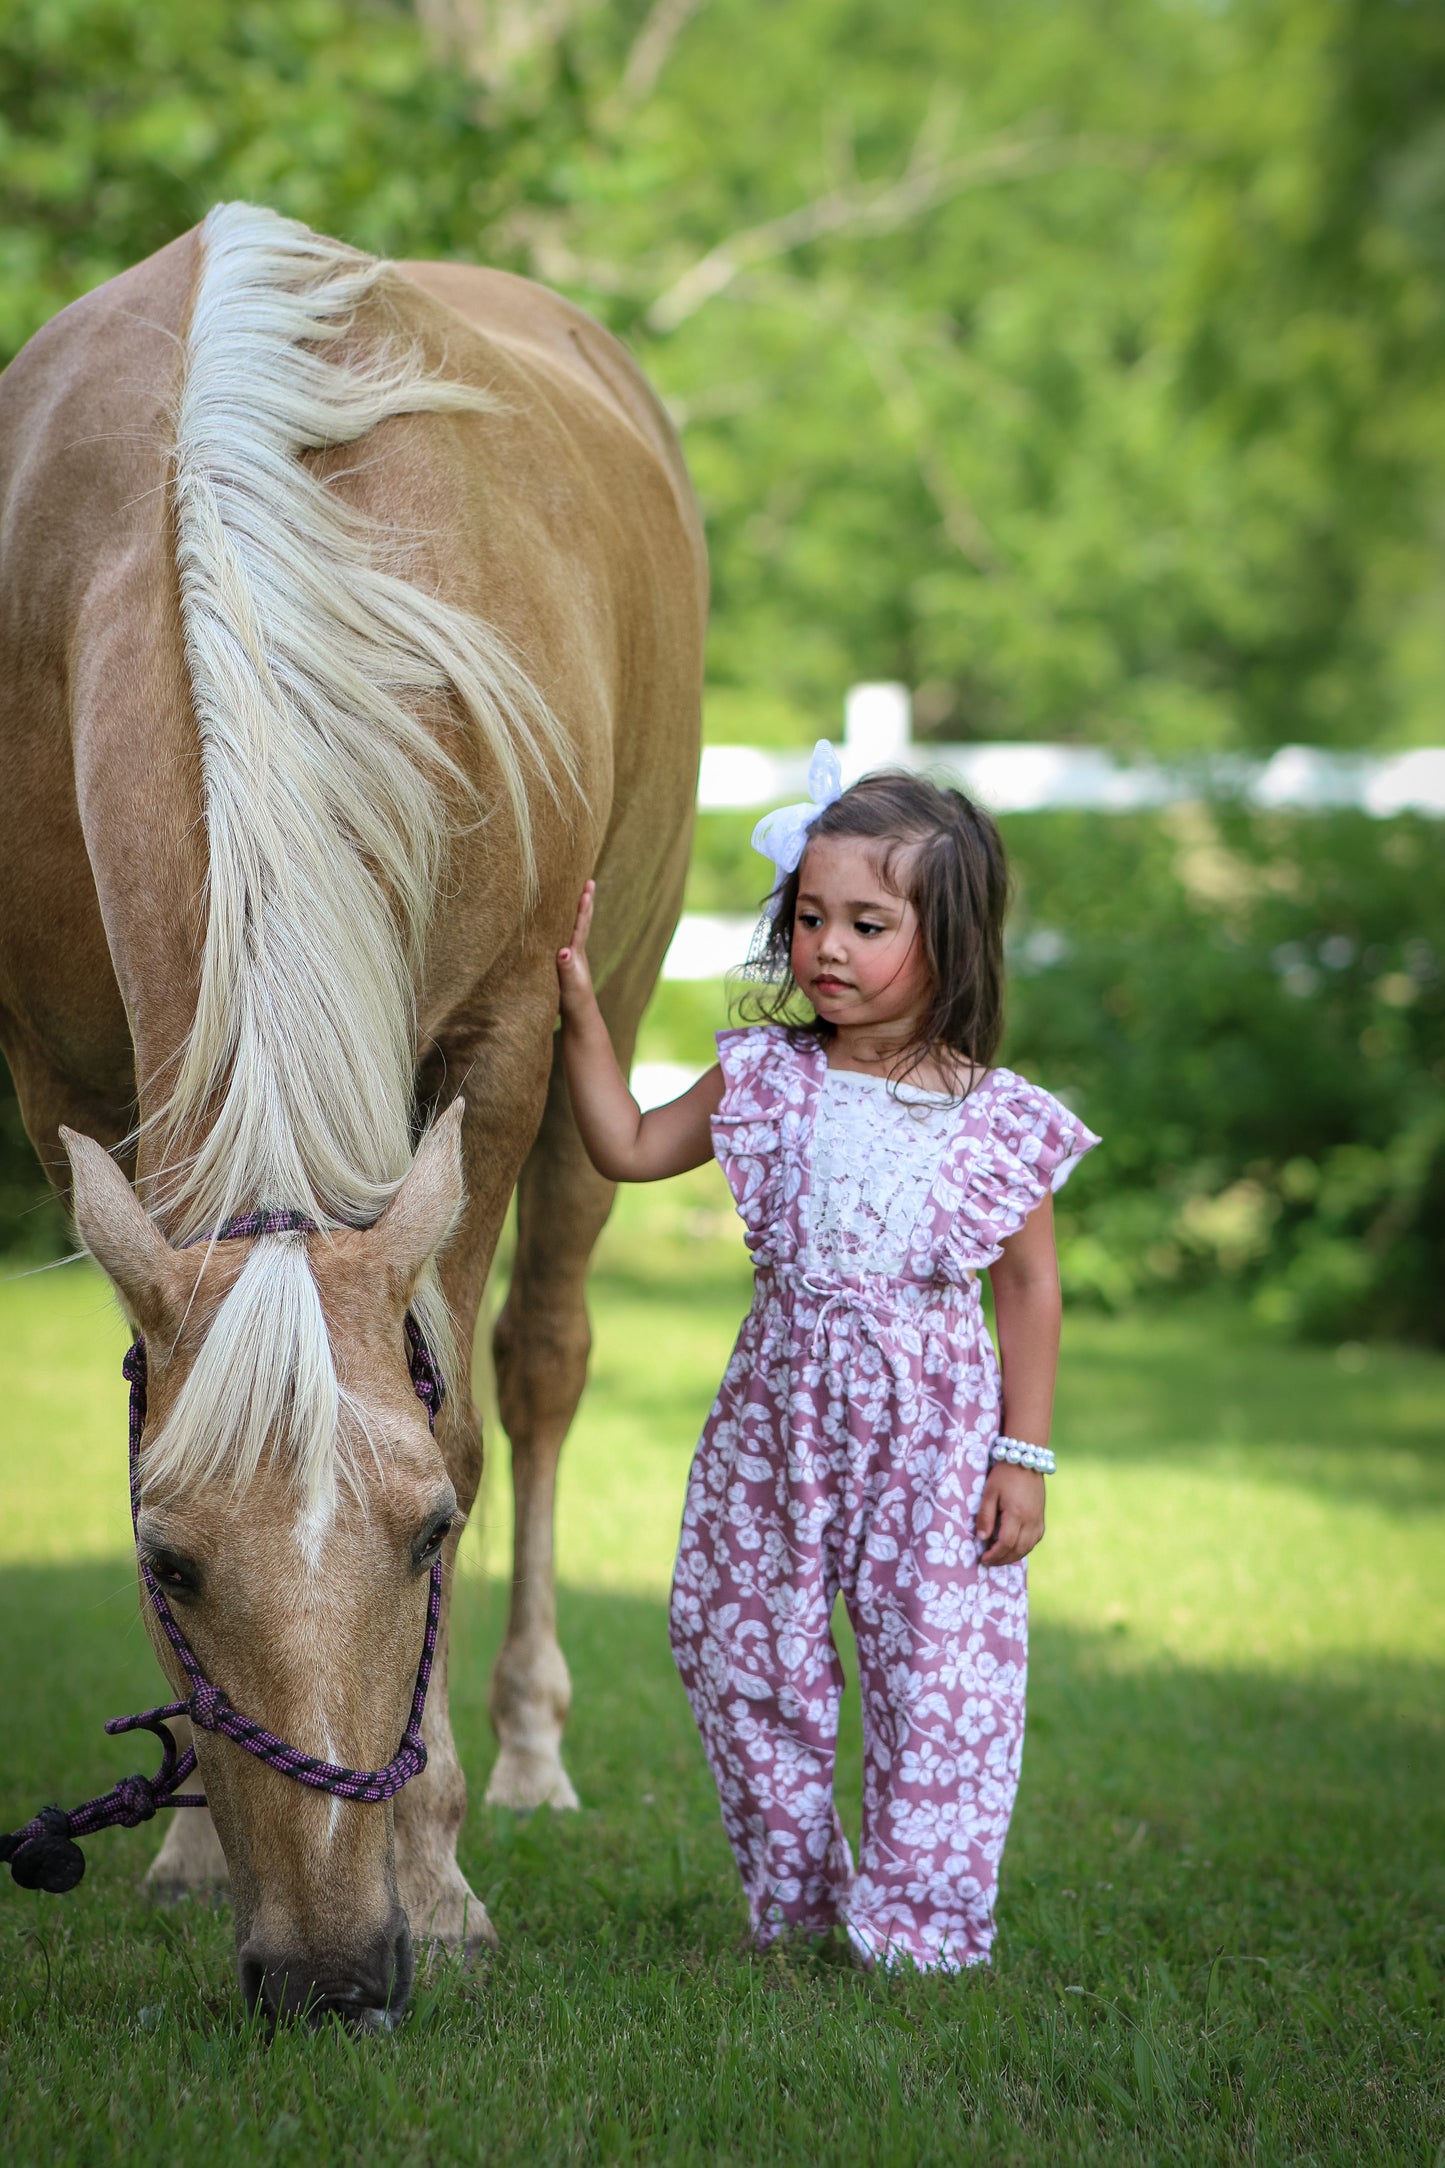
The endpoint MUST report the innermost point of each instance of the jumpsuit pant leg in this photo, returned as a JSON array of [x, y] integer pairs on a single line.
[[942, 1658], [750, 1627]]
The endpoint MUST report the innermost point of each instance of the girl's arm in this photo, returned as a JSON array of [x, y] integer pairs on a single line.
[[1026, 1310], [622, 1142]]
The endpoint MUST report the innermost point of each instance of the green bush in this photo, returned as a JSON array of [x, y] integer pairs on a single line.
[[32, 1225], [1252, 1012]]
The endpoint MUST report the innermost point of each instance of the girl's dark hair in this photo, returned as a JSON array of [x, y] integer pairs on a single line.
[[944, 855]]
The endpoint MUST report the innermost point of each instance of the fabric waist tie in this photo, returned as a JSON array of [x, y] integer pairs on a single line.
[[876, 1299]]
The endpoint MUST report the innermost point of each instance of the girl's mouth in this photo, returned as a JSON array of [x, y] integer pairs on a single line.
[[826, 985]]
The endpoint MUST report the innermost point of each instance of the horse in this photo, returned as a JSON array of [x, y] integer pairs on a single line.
[[351, 616]]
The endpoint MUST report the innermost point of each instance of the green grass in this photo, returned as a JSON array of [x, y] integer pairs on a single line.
[[1221, 1921]]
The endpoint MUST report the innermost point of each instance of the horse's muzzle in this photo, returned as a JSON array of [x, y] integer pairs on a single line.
[[367, 1991]]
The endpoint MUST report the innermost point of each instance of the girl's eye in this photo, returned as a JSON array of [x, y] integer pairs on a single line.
[[864, 926], [809, 918]]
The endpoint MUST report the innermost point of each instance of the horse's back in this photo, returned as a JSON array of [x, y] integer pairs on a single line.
[[602, 512], [562, 516], [84, 432], [546, 330], [88, 622], [595, 469]]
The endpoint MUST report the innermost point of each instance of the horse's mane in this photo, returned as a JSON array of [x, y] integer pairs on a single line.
[[329, 810]]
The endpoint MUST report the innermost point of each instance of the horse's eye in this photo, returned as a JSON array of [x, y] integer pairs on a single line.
[[433, 1537], [176, 1575]]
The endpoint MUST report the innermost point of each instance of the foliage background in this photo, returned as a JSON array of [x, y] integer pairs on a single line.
[[1075, 361]]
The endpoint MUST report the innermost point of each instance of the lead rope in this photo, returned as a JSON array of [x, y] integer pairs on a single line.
[[44, 1854]]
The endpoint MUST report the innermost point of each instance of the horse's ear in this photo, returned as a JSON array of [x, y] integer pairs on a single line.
[[124, 1242], [425, 1209]]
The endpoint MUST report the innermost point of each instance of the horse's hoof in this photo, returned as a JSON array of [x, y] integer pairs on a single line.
[[478, 1940], [190, 1863], [525, 1778], [448, 1919], [481, 1937]]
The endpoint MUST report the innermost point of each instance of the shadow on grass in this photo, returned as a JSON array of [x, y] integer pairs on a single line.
[[1182, 1385], [1165, 1808]]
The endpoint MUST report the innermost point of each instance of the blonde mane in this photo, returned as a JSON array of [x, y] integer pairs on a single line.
[[329, 810]]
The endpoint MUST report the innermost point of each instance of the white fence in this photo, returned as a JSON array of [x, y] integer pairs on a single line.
[[1009, 778]]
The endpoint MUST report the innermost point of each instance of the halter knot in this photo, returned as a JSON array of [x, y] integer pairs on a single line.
[[135, 1801], [207, 1706]]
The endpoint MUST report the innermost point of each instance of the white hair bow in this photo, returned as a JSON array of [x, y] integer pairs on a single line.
[[783, 836]]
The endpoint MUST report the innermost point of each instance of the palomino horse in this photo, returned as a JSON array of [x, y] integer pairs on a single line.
[[351, 614]]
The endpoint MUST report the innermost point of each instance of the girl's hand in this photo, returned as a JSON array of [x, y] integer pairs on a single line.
[[574, 975], [1010, 1514], [622, 1142]]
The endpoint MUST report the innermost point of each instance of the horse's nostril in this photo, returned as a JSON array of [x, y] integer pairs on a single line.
[[403, 1969], [367, 1991], [378, 2020], [352, 2011], [253, 1983]]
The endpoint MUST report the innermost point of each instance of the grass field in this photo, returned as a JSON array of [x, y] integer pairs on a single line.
[[1223, 1911]]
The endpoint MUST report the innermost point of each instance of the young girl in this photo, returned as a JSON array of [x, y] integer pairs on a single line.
[[861, 1439]]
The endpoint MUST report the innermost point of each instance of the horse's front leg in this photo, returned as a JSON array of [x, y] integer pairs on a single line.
[[190, 1862], [504, 1080], [541, 1345]]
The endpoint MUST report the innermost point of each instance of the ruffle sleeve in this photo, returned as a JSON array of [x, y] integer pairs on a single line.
[[757, 1131], [1029, 1147]]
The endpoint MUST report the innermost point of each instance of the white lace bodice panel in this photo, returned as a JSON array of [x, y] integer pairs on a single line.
[[875, 1153]]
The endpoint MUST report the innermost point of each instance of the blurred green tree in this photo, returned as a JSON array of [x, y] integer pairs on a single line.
[[1076, 365]]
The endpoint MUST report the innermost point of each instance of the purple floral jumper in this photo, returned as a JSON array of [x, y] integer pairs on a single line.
[[848, 1448]]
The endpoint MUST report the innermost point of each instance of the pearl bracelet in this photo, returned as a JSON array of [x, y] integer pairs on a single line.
[[1023, 1455]]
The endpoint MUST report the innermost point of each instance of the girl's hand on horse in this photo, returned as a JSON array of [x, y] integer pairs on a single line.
[[621, 1141], [574, 974], [1010, 1515]]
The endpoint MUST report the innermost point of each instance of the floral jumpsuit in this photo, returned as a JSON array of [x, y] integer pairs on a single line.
[[848, 1448]]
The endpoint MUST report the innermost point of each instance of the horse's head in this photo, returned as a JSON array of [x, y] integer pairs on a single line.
[[292, 1501]]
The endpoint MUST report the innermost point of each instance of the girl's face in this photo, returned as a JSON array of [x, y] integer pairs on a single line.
[[857, 948]]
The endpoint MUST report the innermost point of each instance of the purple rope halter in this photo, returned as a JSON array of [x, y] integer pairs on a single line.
[[44, 1855]]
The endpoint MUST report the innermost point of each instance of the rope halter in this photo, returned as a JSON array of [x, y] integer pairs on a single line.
[[44, 1854]]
